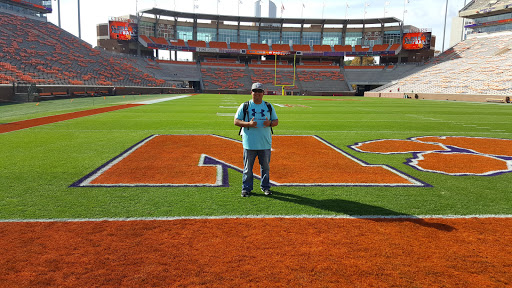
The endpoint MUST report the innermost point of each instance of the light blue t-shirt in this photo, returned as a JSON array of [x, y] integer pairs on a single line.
[[259, 137]]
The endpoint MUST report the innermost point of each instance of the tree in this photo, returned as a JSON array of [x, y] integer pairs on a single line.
[[368, 60]]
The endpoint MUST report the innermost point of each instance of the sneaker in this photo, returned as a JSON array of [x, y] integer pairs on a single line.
[[266, 191], [246, 193]]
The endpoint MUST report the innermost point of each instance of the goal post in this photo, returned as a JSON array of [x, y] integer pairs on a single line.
[[275, 75]]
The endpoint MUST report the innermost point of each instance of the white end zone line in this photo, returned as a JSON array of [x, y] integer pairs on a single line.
[[162, 100], [485, 216]]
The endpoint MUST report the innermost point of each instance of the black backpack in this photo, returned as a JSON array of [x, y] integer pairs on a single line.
[[246, 114]]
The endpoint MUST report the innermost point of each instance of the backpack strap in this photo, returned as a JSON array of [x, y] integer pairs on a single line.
[[269, 106], [246, 113]]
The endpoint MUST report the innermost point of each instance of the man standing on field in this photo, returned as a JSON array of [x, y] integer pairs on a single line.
[[256, 117]]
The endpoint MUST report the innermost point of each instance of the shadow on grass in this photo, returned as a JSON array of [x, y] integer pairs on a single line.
[[359, 210]]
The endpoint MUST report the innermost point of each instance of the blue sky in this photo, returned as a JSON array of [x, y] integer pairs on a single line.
[[420, 13]]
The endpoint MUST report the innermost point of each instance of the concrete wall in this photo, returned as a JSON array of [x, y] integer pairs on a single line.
[[6, 93]]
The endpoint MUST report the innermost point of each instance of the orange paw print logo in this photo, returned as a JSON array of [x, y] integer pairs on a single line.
[[450, 155]]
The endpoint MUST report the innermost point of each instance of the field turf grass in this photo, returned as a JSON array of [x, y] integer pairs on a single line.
[[37, 165]]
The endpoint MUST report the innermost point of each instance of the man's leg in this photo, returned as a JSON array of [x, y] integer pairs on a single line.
[[248, 178], [264, 159]]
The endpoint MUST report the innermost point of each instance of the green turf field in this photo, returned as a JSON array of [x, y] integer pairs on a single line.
[[39, 164]]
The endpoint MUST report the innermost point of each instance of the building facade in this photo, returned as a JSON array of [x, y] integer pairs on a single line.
[[483, 16], [358, 37], [35, 9]]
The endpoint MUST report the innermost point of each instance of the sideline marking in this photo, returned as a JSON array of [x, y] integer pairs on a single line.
[[162, 100], [34, 122], [222, 217], [19, 125]]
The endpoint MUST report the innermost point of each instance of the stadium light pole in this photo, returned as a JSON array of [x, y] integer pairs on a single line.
[[405, 11], [58, 11], [79, 28], [463, 22], [445, 15]]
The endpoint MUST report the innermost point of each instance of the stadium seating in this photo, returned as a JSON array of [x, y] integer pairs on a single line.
[[395, 47], [255, 46], [474, 66], [360, 48], [268, 77], [325, 80], [324, 48], [35, 52], [343, 48], [379, 76], [224, 78], [221, 45], [193, 43], [159, 40], [146, 39], [179, 42], [281, 47], [235, 45], [380, 47]]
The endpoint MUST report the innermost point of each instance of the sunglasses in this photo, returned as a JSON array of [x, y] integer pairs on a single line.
[[257, 90]]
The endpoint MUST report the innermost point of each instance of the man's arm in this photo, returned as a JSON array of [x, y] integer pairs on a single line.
[[241, 123], [270, 123]]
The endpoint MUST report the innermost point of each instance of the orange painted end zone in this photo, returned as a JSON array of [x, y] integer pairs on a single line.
[[302, 160], [274, 252]]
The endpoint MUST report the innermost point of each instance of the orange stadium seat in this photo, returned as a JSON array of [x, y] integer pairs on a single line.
[[394, 47], [325, 48], [380, 47], [235, 45], [360, 48], [193, 43], [146, 38], [343, 48], [256, 46], [159, 40], [179, 42], [281, 47], [221, 45]]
